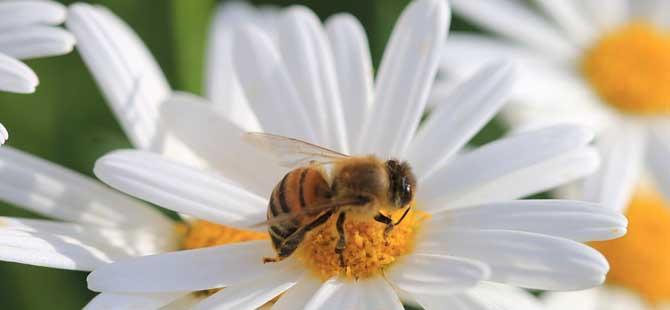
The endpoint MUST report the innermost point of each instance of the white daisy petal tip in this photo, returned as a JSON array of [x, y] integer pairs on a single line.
[[16, 76], [104, 163], [65, 43], [20, 13], [575, 220], [4, 135]]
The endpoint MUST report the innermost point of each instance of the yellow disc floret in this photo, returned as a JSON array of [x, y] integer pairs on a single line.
[[368, 250], [630, 69], [640, 261], [202, 234]]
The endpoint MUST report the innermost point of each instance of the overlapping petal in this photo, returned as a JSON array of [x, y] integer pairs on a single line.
[[523, 259], [511, 168], [181, 188], [54, 191]]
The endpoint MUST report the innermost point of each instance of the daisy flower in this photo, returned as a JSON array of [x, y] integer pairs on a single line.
[[601, 65], [28, 30], [300, 79], [95, 225]]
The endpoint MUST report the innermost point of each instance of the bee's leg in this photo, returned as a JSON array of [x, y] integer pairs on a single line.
[[403, 216], [385, 220], [342, 241], [291, 243]]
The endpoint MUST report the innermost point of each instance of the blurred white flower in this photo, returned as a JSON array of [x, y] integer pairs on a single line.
[[602, 64], [301, 79], [28, 30]]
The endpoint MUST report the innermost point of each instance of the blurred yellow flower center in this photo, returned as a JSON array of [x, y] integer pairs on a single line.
[[630, 69], [202, 234], [640, 261], [367, 250]]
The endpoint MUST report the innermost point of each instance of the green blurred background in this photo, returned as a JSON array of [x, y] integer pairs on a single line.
[[68, 122]]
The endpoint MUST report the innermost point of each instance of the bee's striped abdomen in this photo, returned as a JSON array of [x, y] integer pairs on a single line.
[[299, 189]]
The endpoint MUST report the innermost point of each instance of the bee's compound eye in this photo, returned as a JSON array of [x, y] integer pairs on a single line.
[[406, 192]]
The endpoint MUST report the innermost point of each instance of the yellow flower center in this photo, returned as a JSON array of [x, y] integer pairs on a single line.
[[368, 251], [630, 69], [202, 234], [640, 261]]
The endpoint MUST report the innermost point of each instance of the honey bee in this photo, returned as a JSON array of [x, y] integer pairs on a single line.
[[308, 196]]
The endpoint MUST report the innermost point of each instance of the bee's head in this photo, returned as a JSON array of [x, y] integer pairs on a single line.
[[402, 183]]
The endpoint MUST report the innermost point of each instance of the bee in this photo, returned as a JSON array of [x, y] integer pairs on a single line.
[[308, 196]]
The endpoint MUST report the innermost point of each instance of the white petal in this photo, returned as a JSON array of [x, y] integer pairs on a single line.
[[307, 55], [622, 150], [354, 71], [485, 296], [376, 293], [124, 69], [607, 297], [659, 156], [4, 135], [186, 302], [16, 77], [455, 121], [20, 13], [56, 192], [504, 18], [436, 274], [464, 53], [221, 85], [576, 220], [506, 296], [336, 294], [191, 270], [113, 241], [570, 17], [406, 73], [462, 301], [36, 41], [193, 121], [559, 97], [178, 187], [106, 301], [297, 296], [512, 167], [524, 259], [267, 86], [659, 13], [253, 293], [53, 251], [609, 16], [578, 300]]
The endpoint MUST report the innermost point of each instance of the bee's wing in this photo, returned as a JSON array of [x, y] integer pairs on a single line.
[[312, 211], [290, 152]]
